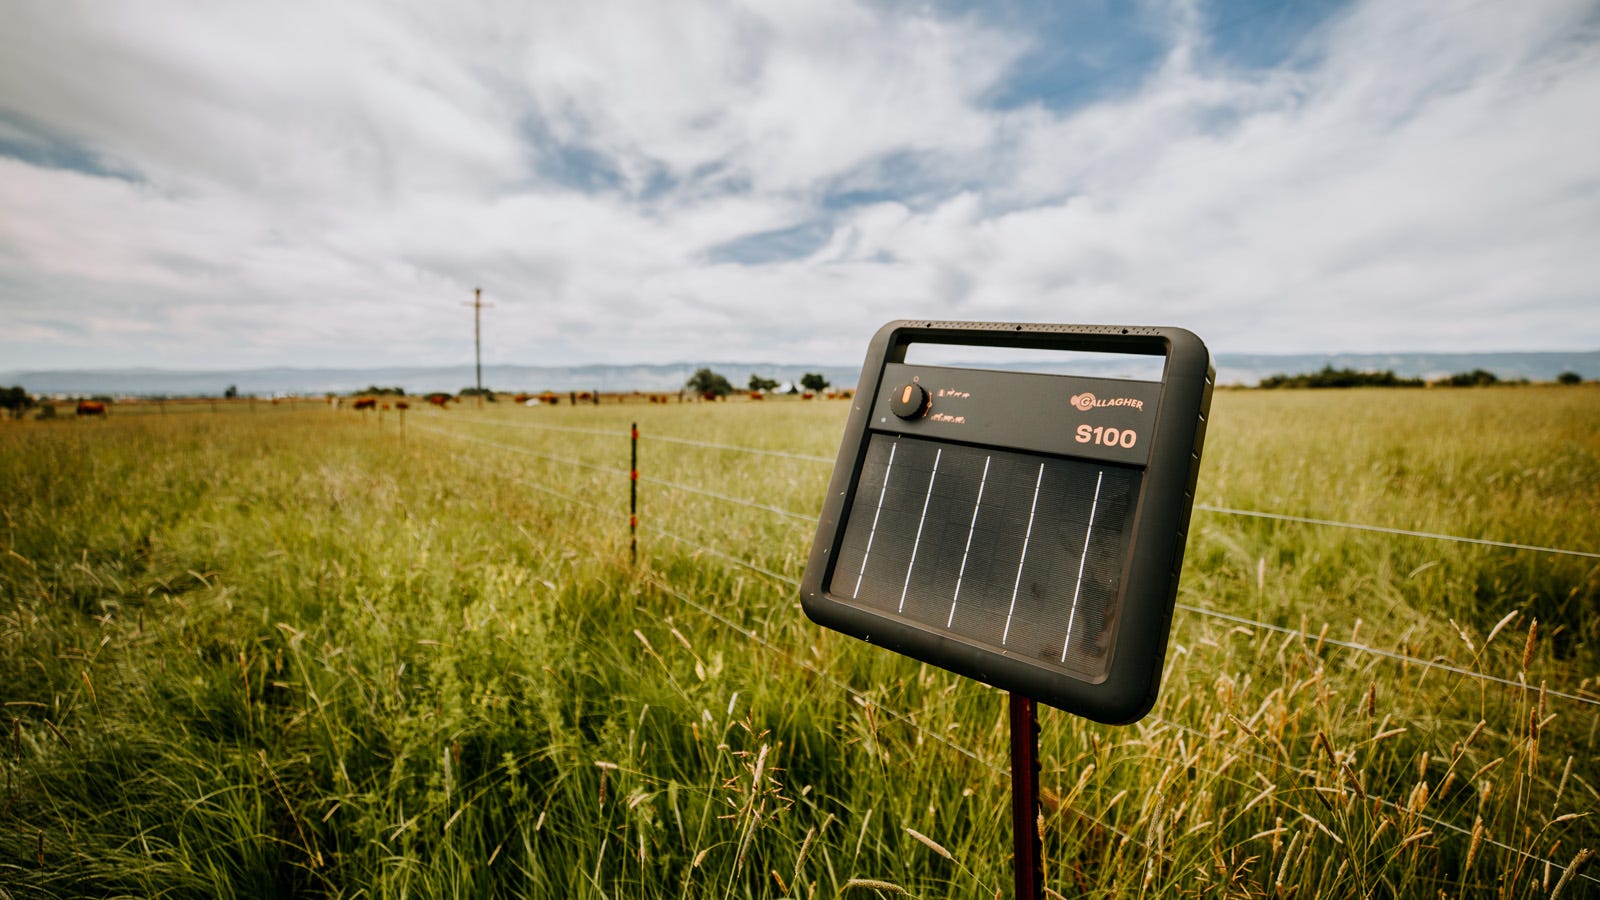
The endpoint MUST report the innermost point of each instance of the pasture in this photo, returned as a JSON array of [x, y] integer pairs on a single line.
[[289, 650]]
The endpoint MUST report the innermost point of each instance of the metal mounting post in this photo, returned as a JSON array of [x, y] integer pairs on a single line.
[[1027, 860]]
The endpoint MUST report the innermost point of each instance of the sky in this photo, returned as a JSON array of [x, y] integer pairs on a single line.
[[233, 185]]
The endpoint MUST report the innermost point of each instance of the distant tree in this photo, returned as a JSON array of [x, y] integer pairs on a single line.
[[16, 401], [1330, 377], [488, 393], [757, 383], [813, 381], [1475, 378], [395, 391], [232, 392], [1569, 378], [47, 411], [705, 381]]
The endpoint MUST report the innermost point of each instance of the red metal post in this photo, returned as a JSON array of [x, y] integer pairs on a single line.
[[1028, 859]]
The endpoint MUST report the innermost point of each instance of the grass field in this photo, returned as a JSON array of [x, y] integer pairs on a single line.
[[273, 651]]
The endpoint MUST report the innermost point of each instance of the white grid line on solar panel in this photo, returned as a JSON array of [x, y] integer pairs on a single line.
[[1027, 535], [972, 527], [918, 542], [1083, 558], [888, 471]]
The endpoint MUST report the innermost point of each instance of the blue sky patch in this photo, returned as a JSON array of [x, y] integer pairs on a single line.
[[782, 245], [21, 140]]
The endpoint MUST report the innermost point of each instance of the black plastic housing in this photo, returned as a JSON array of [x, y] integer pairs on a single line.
[[1120, 680]]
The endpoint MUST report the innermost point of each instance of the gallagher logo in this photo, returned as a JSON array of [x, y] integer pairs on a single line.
[[1087, 401]]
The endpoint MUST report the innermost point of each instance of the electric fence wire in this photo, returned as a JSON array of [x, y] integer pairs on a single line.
[[536, 426], [868, 703], [1402, 658], [1311, 774], [1204, 507], [1305, 520], [807, 665], [541, 426], [756, 450], [1299, 771], [1387, 654], [993, 767], [562, 495], [526, 452], [1221, 510], [644, 479], [802, 663]]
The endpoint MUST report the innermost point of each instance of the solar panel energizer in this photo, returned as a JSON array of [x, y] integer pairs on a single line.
[[1020, 528]]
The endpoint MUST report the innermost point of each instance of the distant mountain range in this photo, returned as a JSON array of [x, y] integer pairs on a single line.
[[1232, 368]]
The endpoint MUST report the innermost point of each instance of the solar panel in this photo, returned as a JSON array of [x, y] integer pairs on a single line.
[[1021, 528]]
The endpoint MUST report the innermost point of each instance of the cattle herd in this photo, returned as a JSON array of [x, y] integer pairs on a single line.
[[99, 408], [579, 398]]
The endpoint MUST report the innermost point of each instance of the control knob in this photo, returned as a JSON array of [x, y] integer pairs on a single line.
[[910, 401]]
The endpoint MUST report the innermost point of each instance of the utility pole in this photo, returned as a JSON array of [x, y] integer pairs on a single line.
[[477, 341]]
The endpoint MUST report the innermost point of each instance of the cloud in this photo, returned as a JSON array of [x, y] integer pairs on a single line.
[[646, 182], [1379, 198]]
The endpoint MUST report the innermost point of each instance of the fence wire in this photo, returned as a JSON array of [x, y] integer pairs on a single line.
[[526, 452], [755, 450], [535, 426], [1311, 774], [1387, 654], [973, 755], [727, 499], [1349, 645], [1379, 529], [1204, 507]]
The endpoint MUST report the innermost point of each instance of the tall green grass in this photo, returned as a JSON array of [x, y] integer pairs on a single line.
[[305, 652]]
